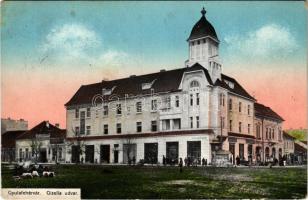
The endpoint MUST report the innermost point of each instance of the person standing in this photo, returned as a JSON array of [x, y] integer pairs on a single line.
[[181, 165]]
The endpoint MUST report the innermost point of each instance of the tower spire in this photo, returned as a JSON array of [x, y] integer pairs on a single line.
[[203, 11]]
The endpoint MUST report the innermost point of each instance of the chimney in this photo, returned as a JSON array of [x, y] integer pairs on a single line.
[[47, 124], [162, 70], [57, 125], [131, 76]]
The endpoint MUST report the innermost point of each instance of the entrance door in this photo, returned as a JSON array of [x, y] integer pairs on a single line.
[[241, 151], [194, 151], [89, 153], [43, 155], [232, 150], [172, 152], [105, 153], [150, 152], [75, 154]]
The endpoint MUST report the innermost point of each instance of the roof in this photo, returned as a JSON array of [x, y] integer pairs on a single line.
[[43, 128], [8, 138], [286, 134], [202, 28], [266, 112], [164, 81], [237, 89]]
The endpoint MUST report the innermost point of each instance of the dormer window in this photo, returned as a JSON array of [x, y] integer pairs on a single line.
[[146, 86], [230, 84], [108, 91], [194, 84]]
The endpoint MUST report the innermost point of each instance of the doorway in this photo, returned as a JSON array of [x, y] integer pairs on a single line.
[[89, 153], [105, 153], [172, 152]]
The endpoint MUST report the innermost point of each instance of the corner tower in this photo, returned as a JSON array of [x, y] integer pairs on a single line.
[[203, 45]]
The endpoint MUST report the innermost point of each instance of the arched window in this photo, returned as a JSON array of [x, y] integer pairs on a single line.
[[194, 84]]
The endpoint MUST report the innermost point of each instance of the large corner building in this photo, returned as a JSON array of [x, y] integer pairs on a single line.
[[190, 112]]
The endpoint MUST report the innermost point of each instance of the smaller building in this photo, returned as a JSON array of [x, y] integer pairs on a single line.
[[8, 140], [43, 143], [13, 125], [288, 142], [300, 152], [268, 129]]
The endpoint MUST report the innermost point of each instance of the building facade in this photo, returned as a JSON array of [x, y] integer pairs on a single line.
[[8, 142], [189, 112], [43, 143], [13, 125]]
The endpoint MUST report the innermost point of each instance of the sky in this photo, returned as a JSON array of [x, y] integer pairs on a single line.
[[50, 49]]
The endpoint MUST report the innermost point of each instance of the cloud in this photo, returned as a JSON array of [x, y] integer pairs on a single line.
[[70, 41], [268, 42]]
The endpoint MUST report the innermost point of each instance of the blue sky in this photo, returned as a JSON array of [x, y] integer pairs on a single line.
[[151, 32]]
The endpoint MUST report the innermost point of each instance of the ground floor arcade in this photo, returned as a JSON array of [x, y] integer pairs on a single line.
[[149, 150]]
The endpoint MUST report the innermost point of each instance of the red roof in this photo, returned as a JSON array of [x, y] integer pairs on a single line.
[[44, 128], [266, 112], [8, 139]]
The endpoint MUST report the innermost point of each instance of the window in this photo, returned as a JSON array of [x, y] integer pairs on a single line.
[[191, 122], [191, 100], [197, 121], [240, 107], [194, 84], [240, 127], [27, 153], [20, 153], [138, 107], [248, 128], [166, 124], [139, 127], [154, 126], [168, 102], [220, 99], [258, 131], [82, 122], [119, 109], [154, 105], [88, 130], [223, 100], [273, 134], [88, 112], [197, 99], [119, 129], [177, 101], [230, 124], [270, 133], [76, 113], [248, 110], [77, 130], [105, 110], [222, 122], [279, 135], [176, 124], [230, 104], [60, 153], [266, 133], [198, 42], [106, 129]]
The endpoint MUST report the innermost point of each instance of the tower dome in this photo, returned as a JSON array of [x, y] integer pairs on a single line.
[[202, 28]]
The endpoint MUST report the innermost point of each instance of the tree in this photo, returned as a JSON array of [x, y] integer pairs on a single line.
[[129, 148], [36, 145], [78, 143]]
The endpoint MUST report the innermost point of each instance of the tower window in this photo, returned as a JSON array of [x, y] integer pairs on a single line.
[[194, 84], [198, 42], [192, 43], [204, 40]]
